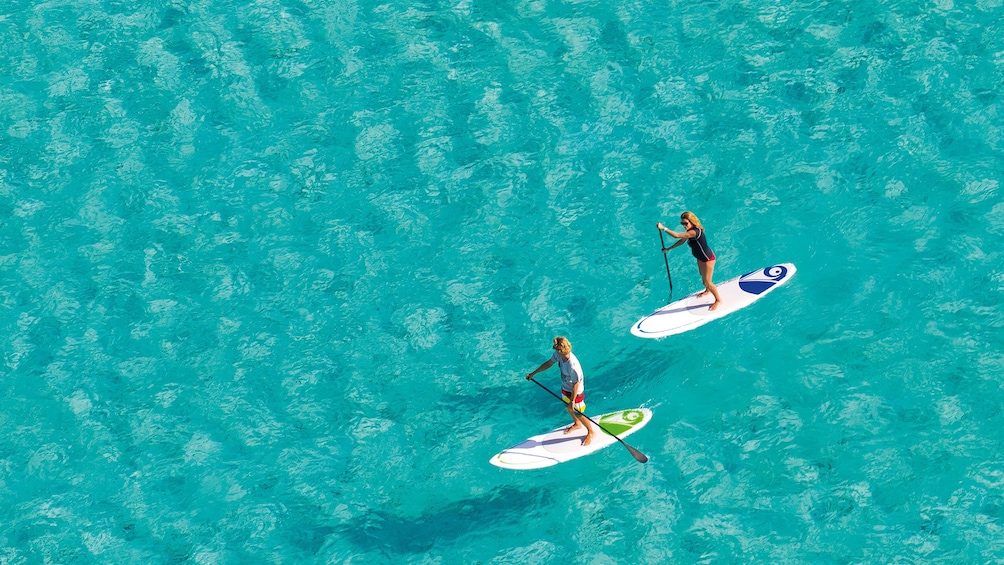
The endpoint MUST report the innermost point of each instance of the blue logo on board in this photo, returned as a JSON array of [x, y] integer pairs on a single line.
[[759, 282]]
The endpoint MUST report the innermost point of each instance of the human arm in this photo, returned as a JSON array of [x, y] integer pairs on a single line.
[[678, 243], [679, 235], [543, 367]]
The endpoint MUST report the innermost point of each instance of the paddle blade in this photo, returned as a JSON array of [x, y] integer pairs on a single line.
[[639, 456]]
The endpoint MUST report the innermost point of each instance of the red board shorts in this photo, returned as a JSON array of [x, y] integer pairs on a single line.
[[580, 401]]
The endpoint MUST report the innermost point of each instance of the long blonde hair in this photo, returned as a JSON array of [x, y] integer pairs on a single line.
[[689, 216], [562, 345]]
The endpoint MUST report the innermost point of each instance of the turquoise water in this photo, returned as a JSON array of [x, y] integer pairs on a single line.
[[273, 271]]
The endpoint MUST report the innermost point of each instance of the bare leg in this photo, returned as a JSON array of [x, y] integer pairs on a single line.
[[707, 269], [701, 269], [575, 421], [589, 429]]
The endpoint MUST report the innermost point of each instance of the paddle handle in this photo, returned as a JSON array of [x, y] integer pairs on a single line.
[[666, 259], [639, 456]]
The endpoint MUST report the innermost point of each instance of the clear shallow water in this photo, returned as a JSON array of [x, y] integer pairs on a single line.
[[272, 273]]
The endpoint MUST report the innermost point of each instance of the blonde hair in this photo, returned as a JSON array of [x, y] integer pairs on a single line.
[[690, 217], [562, 345]]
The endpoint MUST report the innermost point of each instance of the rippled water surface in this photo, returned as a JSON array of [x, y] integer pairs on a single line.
[[272, 272]]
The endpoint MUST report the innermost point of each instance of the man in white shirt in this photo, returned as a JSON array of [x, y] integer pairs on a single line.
[[573, 385]]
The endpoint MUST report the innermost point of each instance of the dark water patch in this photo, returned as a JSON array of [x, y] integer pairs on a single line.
[[438, 528]]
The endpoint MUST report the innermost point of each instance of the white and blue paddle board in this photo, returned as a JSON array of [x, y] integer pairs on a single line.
[[691, 312], [556, 446]]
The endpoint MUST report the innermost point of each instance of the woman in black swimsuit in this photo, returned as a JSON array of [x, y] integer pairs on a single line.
[[694, 236]]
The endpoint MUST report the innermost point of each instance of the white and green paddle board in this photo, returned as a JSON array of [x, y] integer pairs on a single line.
[[556, 446]]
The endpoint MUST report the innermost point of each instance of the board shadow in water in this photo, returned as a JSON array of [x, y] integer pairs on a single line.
[[638, 362], [435, 528]]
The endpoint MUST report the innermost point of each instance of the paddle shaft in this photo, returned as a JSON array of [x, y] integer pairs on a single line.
[[666, 259], [639, 456]]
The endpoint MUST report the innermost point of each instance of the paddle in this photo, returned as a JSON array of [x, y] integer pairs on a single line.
[[666, 259], [639, 456]]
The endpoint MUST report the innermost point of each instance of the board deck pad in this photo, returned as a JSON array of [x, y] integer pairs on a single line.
[[556, 446], [691, 311]]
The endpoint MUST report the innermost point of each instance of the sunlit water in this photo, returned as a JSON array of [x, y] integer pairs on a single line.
[[273, 271]]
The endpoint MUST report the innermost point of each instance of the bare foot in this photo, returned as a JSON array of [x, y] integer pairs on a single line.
[[702, 293], [588, 439], [575, 426], [715, 305]]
